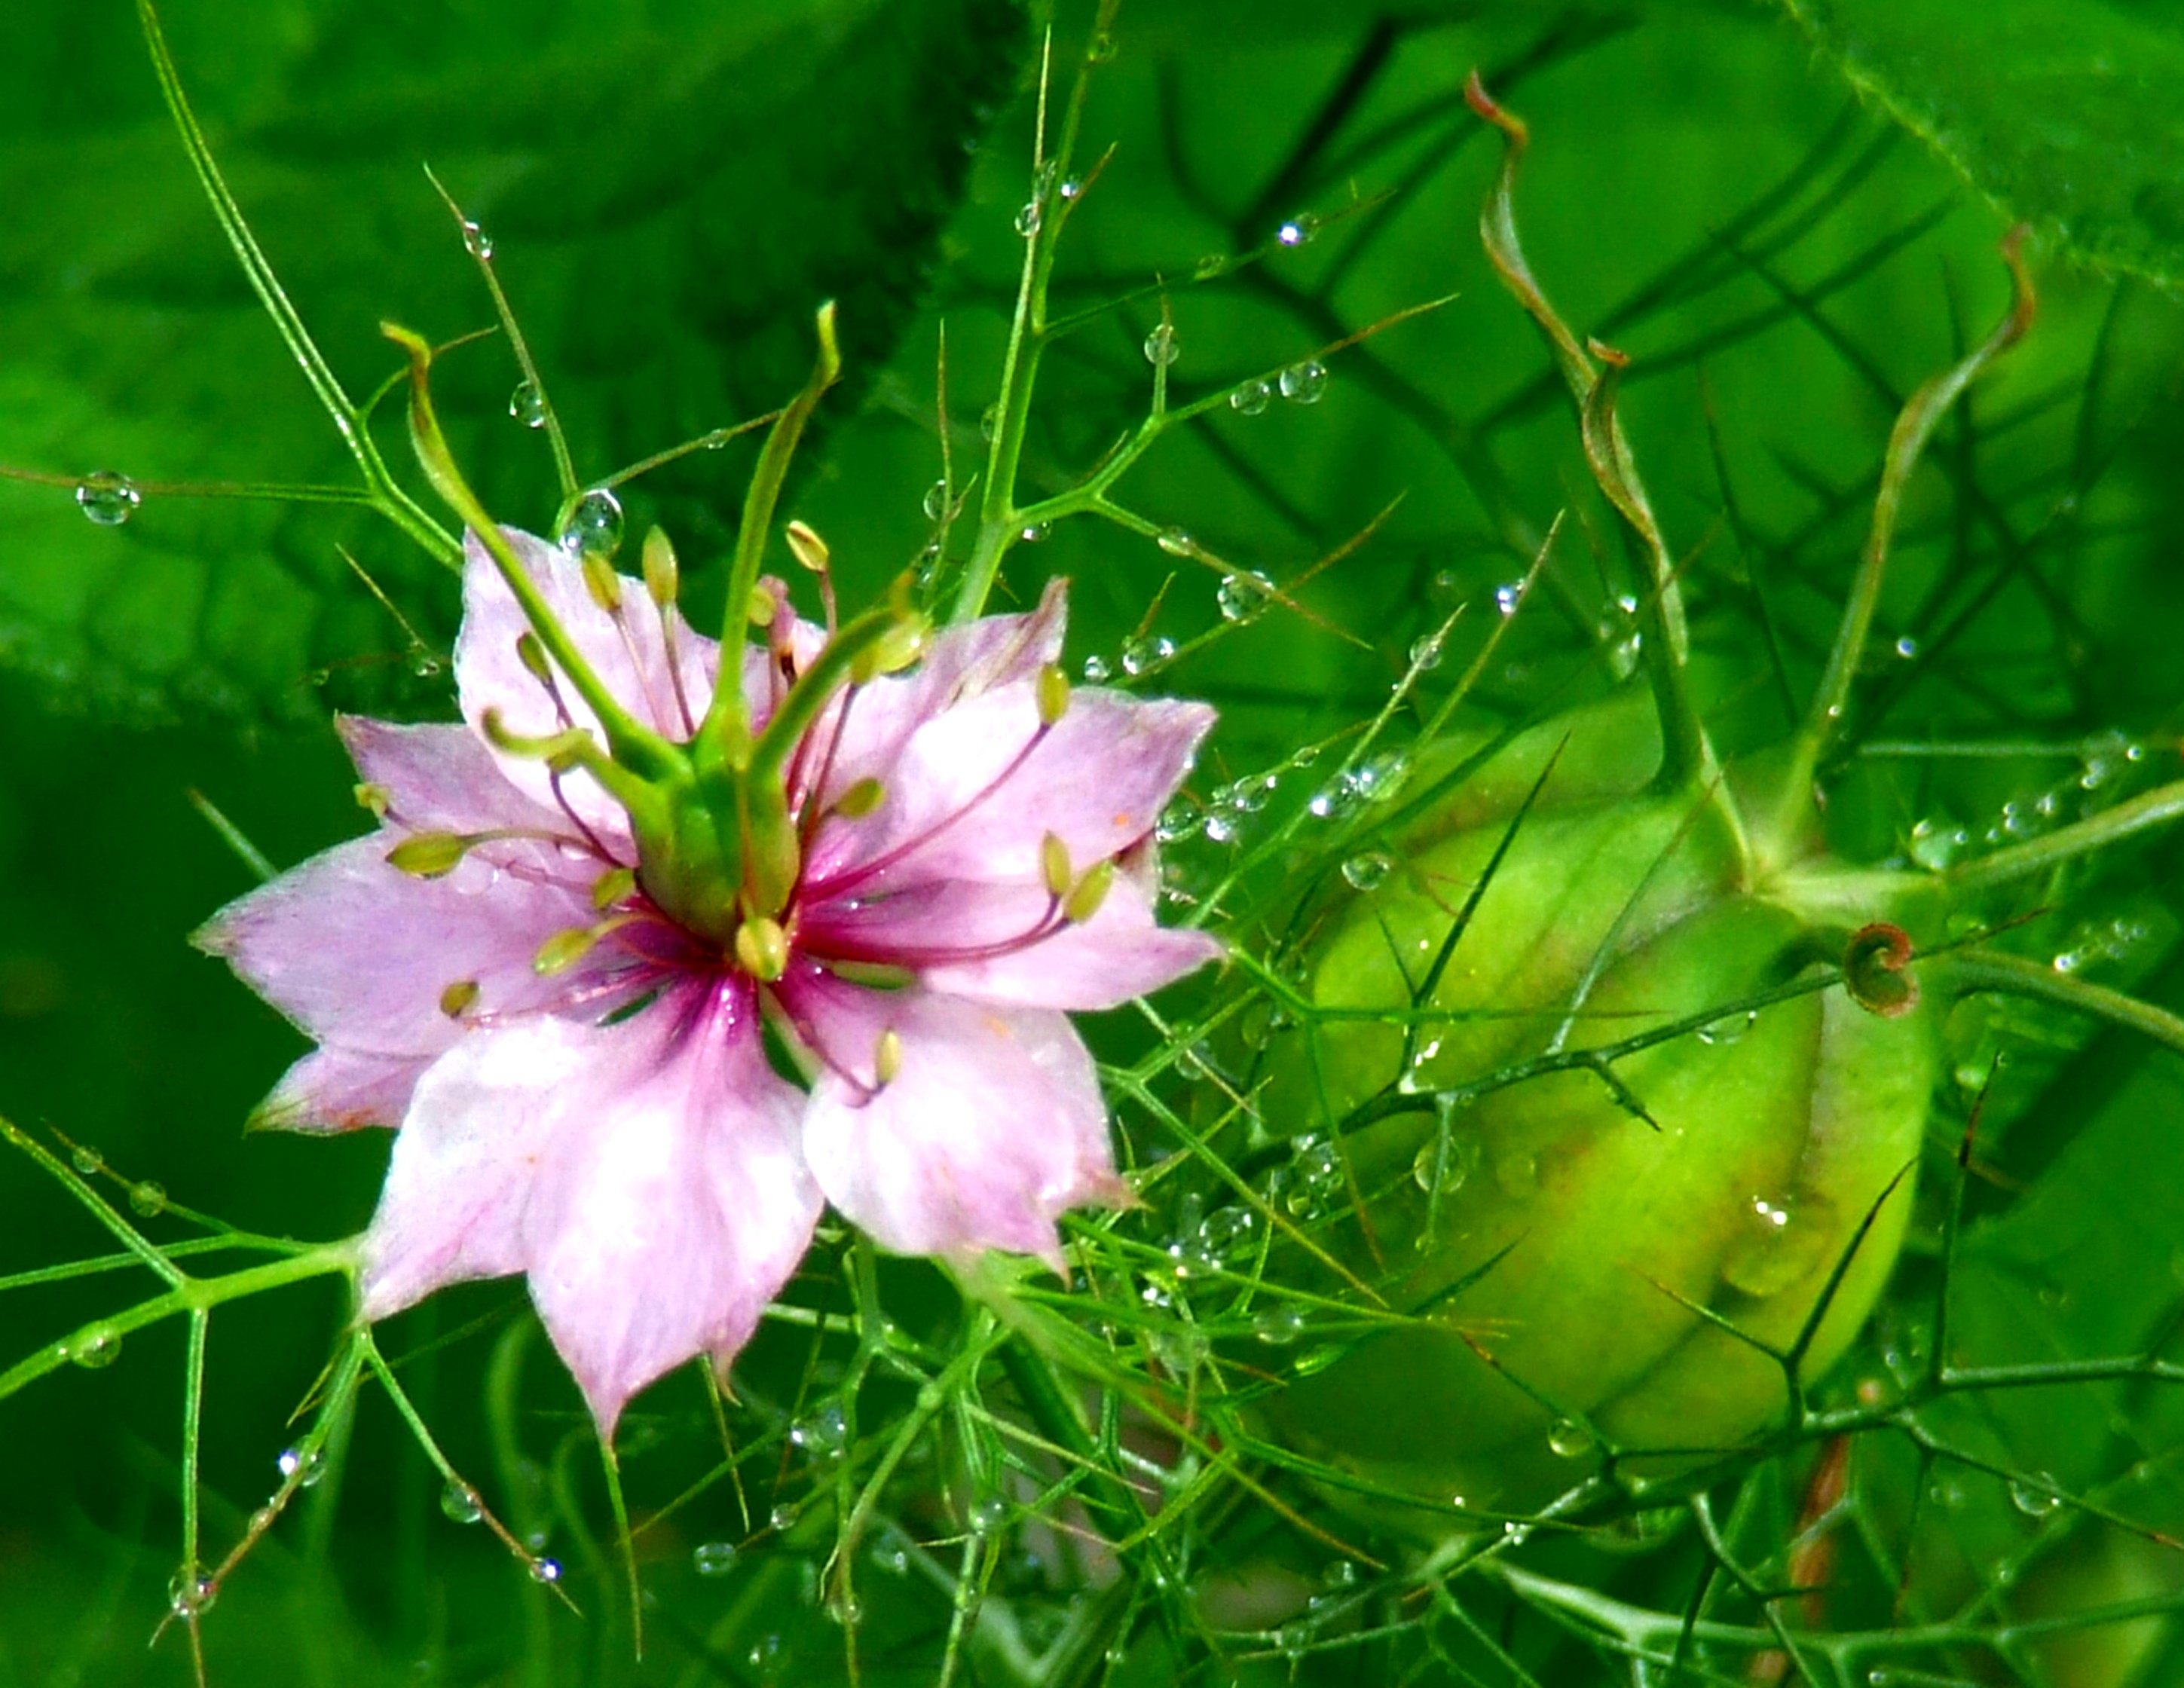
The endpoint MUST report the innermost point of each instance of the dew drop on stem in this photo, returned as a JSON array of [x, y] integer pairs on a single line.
[[107, 498], [528, 404], [713, 1558], [1305, 384], [460, 1503], [594, 525], [1250, 397], [1162, 348]]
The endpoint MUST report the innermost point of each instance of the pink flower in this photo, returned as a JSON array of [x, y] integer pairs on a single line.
[[550, 967]]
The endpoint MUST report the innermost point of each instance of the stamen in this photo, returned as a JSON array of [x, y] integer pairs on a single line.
[[801, 792], [860, 800], [458, 999], [554, 773], [810, 550], [1054, 866], [879, 864], [1083, 901], [663, 578], [762, 949], [887, 1058], [376, 798], [532, 655], [1053, 694], [569, 946], [612, 887]]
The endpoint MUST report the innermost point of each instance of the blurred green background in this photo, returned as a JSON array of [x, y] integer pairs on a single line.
[[671, 188]]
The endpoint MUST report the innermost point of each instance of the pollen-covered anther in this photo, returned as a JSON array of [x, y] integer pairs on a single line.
[[1054, 867], [1086, 896], [602, 583], [887, 1057], [861, 800], [762, 949], [532, 655], [377, 800], [763, 606], [1053, 690], [806, 545], [894, 650], [459, 997], [570, 946], [612, 887], [663, 575], [432, 856]]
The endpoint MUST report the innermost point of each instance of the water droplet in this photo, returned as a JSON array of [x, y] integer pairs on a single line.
[[1508, 595], [546, 1570], [594, 525], [1028, 219], [1161, 347], [1299, 230], [1729, 1029], [1034, 533], [460, 1503], [1141, 655], [1305, 384], [1177, 822], [1780, 1245], [1176, 541], [97, 1348], [476, 242], [147, 1199], [1335, 802], [1209, 267], [528, 404], [1100, 49], [1570, 1440], [1936, 844], [845, 1609], [1381, 776], [1098, 670], [890, 1551], [1907, 648], [1445, 1161], [1426, 651], [1370, 871], [1277, 1326], [713, 1558], [823, 1435], [190, 1593], [1518, 1172], [306, 1468], [1242, 596], [107, 498], [783, 1518], [936, 501], [1070, 188], [2035, 1495], [1250, 397], [989, 423], [1223, 825], [987, 1513], [424, 664], [86, 1160]]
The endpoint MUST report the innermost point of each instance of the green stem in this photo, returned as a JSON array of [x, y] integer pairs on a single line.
[[2155, 808], [348, 420], [1989, 970], [1921, 414]]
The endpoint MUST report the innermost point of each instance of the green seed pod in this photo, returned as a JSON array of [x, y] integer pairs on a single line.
[[1634, 1097]]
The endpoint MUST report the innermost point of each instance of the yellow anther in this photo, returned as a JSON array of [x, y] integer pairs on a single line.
[[1054, 866], [762, 949], [376, 798], [532, 655], [807, 548], [860, 800], [429, 855], [458, 999], [1053, 694], [612, 887], [663, 575], [1083, 901], [887, 1056], [564, 949], [601, 580], [894, 650], [760, 610]]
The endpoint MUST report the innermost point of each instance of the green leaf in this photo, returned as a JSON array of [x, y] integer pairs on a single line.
[[670, 190], [2065, 112]]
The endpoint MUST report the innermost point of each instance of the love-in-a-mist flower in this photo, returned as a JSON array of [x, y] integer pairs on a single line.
[[553, 964]]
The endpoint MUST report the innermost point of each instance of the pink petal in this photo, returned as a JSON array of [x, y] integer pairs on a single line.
[[960, 663], [940, 929], [441, 778], [958, 805], [338, 1089], [489, 674], [646, 1176], [992, 1125], [357, 953]]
